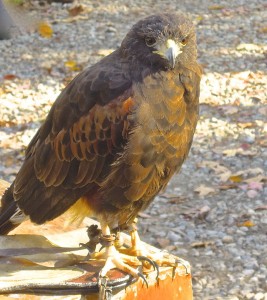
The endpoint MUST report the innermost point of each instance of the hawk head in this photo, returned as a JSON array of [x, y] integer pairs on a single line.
[[161, 41]]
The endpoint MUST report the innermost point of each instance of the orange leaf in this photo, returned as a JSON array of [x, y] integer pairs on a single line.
[[246, 224], [236, 178], [10, 77], [45, 30], [72, 65]]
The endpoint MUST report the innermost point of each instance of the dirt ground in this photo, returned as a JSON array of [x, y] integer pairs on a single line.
[[214, 213]]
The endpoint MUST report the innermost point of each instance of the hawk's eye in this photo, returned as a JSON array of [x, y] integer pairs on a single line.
[[184, 41], [150, 41]]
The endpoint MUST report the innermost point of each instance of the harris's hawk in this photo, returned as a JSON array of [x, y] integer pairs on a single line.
[[115, 135]]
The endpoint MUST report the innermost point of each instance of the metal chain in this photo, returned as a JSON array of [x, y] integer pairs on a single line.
[[105, 292]]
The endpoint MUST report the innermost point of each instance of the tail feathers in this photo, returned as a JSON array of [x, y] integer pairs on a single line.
[[10, 214]]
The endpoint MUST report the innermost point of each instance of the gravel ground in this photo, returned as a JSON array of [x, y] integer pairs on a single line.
[[214, 213]]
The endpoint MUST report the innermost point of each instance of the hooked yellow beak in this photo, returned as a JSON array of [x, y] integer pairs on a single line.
[[173, 50], [169, 50]]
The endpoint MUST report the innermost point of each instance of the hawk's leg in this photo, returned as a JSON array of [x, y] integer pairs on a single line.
[[114, 259]]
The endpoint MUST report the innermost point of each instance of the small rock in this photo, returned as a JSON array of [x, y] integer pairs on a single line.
[[173, 236], [249, 139], [163, 242], [227, 239], [260, 296], [248, 272], [111, 30], [249, 295]]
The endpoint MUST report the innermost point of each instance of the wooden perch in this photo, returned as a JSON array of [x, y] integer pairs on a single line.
[[44, 260]]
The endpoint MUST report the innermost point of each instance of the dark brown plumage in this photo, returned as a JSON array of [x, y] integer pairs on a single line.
[[117, 133]]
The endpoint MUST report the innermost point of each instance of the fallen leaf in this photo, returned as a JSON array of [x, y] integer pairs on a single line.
[[202, 244], [229, 152], [144, 215], [75, 19], [104, 52], [72, 65], [222, 172], [259, 178], [75, 10], [10, 77], [176, 200], [249, 171], [247, 47], [228, 186], [194, 213], [204, 190], [236, 178], [47, 65], [171, 248], [199, 18], [261, 207], [173, 198], [163, 242], [45, 30], [216, 7], [240, 151], [203, 212], [246, 224]]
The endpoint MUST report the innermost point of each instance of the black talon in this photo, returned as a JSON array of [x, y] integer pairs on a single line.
[[87, 247], [144, 258], [94, 236], [101, 248], [143, 277], [157, 268], [153, 263], [82, 245], [178, 261]]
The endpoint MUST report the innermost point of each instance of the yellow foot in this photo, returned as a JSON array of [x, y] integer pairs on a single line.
[[114, 259], [152, 258]]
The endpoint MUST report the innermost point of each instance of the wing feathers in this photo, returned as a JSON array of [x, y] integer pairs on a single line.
[[85, 129]]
